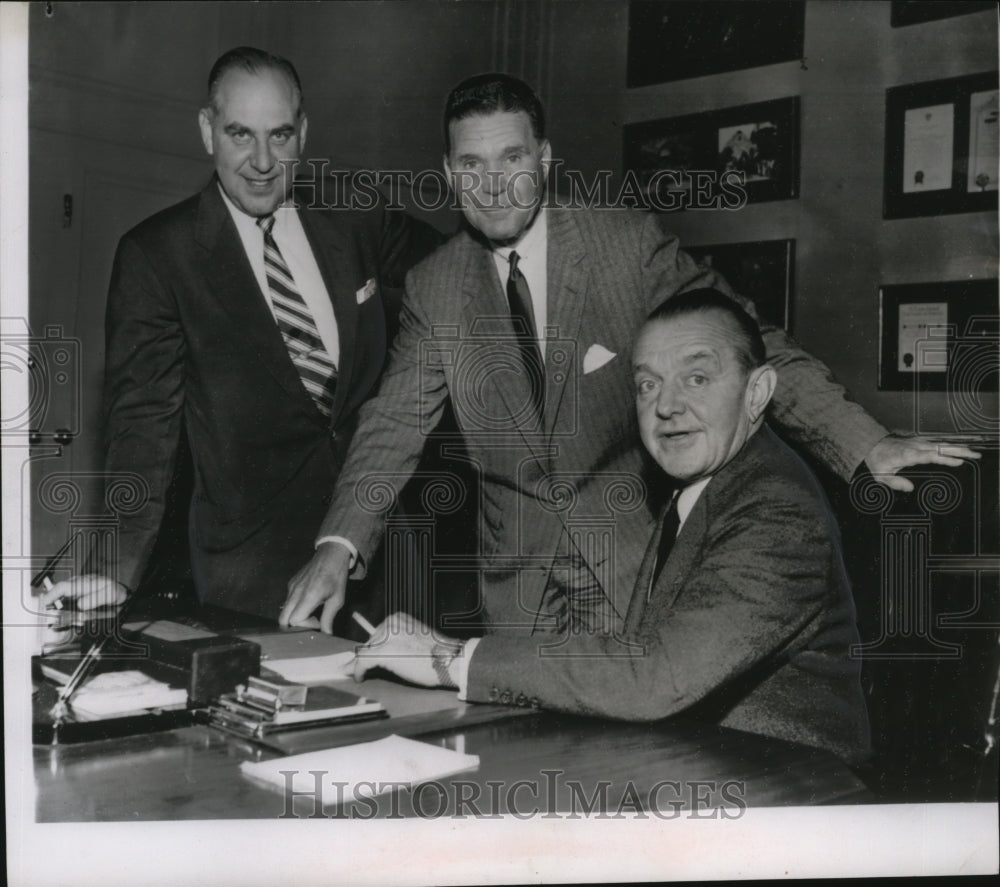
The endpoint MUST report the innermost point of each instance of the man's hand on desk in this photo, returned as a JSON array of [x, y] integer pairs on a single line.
[[322, 581], [410, 650], [89, 591], [895, 452]]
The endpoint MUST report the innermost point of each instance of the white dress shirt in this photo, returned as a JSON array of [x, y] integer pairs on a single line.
[[687, 498], [298, 255], [532, 251]]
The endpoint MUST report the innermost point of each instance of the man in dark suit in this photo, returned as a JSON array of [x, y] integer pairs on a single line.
[[741, 614], [253, 322], [524, 322]]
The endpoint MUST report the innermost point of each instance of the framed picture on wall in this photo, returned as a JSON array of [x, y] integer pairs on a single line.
[[761, 270], [717, 159], [939, 336], [915, 12], [676, 39], [941, 147]]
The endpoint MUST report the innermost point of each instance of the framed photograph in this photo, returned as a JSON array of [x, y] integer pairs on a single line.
[[676, 39], [939, 336], [724, 158], [761, 270], [941, 147], [915, 12]]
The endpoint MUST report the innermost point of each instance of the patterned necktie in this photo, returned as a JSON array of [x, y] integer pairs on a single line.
[[519, 301], [671, 523], [298, 329]]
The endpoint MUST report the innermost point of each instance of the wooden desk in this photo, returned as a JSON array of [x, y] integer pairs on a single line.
[[193, 773]]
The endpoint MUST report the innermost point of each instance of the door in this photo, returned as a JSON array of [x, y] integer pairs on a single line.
[[84, 194]]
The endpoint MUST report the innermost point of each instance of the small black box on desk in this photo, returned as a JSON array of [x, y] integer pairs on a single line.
[[206, 663]]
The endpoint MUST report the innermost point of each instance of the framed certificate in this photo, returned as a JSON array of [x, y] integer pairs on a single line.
[[941, 147], [939, 336]]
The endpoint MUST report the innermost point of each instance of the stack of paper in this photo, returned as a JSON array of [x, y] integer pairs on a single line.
[[124, 692], [380, 765]]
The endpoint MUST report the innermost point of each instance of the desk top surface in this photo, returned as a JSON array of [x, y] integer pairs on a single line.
[[193, 772]]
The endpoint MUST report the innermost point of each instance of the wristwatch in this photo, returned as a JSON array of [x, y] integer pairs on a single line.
[[442, 656]]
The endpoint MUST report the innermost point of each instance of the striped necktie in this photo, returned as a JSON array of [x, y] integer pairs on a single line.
[[298, 329]]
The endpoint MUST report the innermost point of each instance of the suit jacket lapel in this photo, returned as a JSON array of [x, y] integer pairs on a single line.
[[232, 282], [567, 274], [683, 555], [681, 560], [327, 242]]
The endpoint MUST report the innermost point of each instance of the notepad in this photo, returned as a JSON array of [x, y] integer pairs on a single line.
[[381, 765]]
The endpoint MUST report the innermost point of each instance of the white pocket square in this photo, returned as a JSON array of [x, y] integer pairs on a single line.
[[366, 292], [596, 357]]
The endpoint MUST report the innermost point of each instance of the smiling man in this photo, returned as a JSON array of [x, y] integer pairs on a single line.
[[254, 326], [741, 614]]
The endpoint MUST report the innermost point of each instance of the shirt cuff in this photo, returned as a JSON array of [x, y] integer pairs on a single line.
[[462, 666], [342, 541]]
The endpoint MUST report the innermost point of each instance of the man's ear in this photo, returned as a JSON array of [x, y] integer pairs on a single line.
[[760, 390], [205, 125], [546, 159], [303, 127]]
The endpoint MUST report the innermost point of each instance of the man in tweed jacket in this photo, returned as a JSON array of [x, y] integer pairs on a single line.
[[546, 470], [742, 612]]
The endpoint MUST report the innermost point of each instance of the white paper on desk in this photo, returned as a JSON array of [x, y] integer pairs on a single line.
[[381, 766], [312, 669], [122, 692]]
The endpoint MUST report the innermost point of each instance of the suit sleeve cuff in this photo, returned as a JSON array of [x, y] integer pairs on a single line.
[[340, 540], [462, 666]]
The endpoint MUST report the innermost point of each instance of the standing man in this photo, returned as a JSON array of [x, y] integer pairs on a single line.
[[253, 323], [742, 612], [546, 422]]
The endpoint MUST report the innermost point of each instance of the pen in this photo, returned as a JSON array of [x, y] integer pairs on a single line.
[[80, 672], [42, 578], [364, 623]]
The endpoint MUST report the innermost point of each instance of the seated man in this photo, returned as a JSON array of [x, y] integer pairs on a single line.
[[742, 613]]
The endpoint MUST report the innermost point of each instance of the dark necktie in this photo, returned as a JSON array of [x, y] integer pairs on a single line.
[[298, 328], [522, 316], [671, 522]]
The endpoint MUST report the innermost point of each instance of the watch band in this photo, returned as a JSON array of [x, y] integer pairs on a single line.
[[442, 656]]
